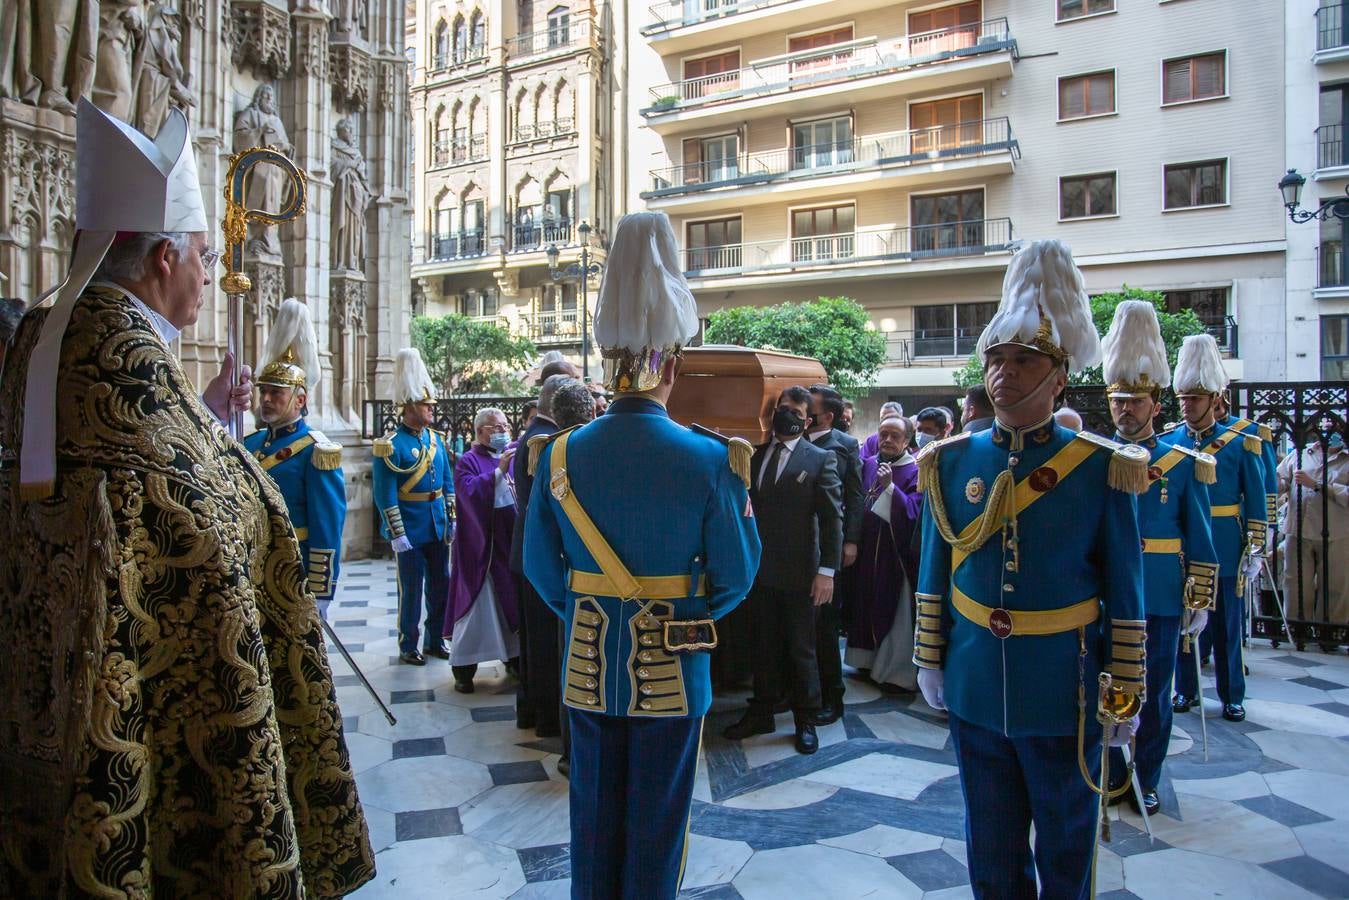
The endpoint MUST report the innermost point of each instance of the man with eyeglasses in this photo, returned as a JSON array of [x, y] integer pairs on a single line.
[[171, 719]]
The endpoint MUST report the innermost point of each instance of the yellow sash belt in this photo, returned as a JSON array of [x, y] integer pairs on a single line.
[[1028, 622]]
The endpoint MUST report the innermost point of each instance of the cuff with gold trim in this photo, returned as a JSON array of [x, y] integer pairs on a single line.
[[929, 644], [1271, 507], [393, 517], [1256, 535], [1201, 582], [1128, 639], [320, 580]]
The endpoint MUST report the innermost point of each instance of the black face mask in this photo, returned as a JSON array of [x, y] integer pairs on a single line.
[[786, 422]]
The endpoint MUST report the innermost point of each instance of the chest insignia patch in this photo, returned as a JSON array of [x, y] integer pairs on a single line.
[[974, 489]]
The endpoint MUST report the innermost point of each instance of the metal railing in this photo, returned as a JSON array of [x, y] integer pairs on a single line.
[[896, 148], [1330, 149], [1225, 333], [531, 236], [681, 13], [860, 246], [471, 54], [463, 245], [931, 346], [839, 62], [453, 417], [541, 130], [558, 38], [1330, 267], [555, 327], [1330, 26], [447, 152]]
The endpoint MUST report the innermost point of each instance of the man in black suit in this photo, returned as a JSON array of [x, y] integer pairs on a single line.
[[795, 493], [826, 410]]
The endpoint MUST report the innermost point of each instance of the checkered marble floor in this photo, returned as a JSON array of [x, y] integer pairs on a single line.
[[462, 804]]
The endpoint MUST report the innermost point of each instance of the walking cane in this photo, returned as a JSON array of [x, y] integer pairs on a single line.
[[332, 636]]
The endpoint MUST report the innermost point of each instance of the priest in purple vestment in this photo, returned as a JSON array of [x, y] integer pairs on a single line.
[[880, 627], [871, 446], [482, 615]]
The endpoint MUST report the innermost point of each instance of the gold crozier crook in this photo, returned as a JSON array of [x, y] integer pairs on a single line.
[[237, 216]]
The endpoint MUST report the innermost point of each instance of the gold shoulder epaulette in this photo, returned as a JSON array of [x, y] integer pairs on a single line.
[[927, 460], [739, 451], [539, 441], [383, 447], [1128, 470], [1265, 434], [1252, 443], [327, 454], [1205, 466]]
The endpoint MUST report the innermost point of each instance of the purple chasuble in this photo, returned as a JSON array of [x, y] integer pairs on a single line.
[[482, 540], [886, 558], [871, 448]]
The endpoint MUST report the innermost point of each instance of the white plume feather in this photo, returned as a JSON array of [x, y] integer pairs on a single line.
[[1134, 347], [1199, 366], [644, 301], [1043, 280], [411, 382], [294, 330]]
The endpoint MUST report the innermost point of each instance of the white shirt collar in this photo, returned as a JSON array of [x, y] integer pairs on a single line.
[[790, 443], [819, 435], [162, 326]]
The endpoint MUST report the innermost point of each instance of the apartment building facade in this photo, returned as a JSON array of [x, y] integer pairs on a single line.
[[896, 152], [511, 132]]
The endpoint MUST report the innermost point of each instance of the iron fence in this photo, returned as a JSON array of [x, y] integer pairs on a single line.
[[454, 417]]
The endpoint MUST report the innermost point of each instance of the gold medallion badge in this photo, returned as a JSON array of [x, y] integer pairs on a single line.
[[974, 489]]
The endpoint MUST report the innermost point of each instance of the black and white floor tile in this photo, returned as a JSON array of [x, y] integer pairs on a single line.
[[462, 804]]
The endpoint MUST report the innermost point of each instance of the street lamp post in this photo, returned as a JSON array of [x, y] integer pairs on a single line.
[[1291, 186], [573, 272]]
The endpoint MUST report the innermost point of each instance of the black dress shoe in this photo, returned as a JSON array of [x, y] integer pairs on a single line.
[[439, 651], [564, 767], [830, 713], [1151, 802], [1234, 712], [412, 658], [463, 687], [1181, 703], [807, 741], [748, 726]]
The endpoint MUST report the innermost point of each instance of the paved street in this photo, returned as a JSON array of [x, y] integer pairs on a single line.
[[461, 804]]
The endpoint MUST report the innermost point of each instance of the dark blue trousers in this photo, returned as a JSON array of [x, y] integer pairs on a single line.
[[425, 567], [631, 791], [1224, 630], [1154, 725], [1008, 784]]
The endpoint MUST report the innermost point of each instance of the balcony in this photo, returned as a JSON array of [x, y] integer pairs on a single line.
[[1331, 43], [556, 327], [543, 130], [558, 38], [446, 152], [464, 245], [937, 347], [940, 153], [1332, 156], [526, 237], [463, 57], [860, 248], [1330, 268], [1224, 331], [675, 26], [855, 70]]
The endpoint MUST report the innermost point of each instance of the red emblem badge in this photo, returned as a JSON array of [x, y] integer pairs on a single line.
[[1043, 479], [1154, 472], [283, 453], [1000, 623]]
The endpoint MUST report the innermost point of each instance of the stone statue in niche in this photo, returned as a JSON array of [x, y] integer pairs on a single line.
[[47, 51], [351, 199], [349, 18], [121, 36], [258, 125], [163, 79]]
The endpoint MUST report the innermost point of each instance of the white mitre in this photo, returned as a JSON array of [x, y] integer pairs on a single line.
[[1135, 354], [1199, 367], [124, 182], [291, 357], [411, 382], [645, 310], [1044, 307]]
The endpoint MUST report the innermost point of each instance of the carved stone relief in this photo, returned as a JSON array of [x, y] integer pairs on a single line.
[[261, 36], [350, 75]]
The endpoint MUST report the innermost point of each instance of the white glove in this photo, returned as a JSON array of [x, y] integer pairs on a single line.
[[932, 683], [1252, 568], [1198, 619], [401, 544], [1120, 734], [323, 608]]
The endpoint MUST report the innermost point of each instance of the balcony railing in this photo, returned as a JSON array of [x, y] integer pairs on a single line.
[[556, 327], [1224, 331], [527, 237], [462, 57], [1330, 149], [464, 245], [447, 152], [682, 13], [825, 65], [1330, 27], [897, 148], [541, 130], [557, 38], [861, 246], [1331, 265]]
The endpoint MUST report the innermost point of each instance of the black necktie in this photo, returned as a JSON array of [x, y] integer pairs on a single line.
[[770, 474]]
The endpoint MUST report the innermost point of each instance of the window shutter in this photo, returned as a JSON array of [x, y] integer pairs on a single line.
[[1209, 76], [1177, 81], [1072, 103], [1102, 93]]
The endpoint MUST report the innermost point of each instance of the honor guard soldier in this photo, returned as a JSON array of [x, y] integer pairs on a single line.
[[1238, 509], [1269, 456], [414, 490], [306, 466], [638, 559], [1029, 596], [1180, 565]]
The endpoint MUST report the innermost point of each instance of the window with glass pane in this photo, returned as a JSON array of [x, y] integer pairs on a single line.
[[1087, 195], [1330, 146], [1210, 305], [479, 35], [714, 244], [971, 319], [442, 236], [948, 223], [719, 158], [1196, 184], [945, 124], [827, 142], [945, 29], [1073, 9], [1332, 264], [1335, 347], [817, 62], [559, 27], [1087, 95], [949, 329], [1194, 78], [823, 234], [442, 51], [711, 75]]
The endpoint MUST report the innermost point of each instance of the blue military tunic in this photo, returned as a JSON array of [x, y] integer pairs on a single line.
[[1173, 521], [307, 468], [1069, 555], [1237, 500], [1269, 458], [413, 482]]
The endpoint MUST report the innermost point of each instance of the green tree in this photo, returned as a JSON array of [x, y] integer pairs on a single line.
[[466, 356], [833, 330], [1175, 328]]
